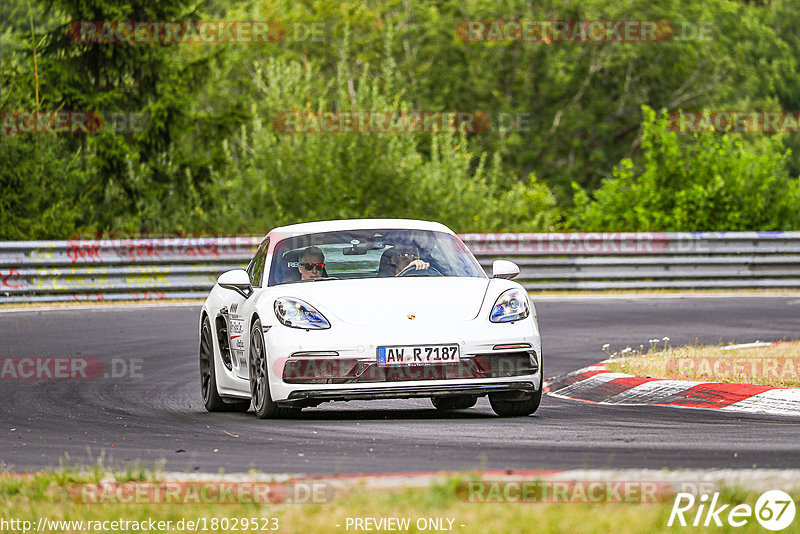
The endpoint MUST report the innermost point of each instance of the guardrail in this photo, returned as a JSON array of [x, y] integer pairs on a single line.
[[187, 267]]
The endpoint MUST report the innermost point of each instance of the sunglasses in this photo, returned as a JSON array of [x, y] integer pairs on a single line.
[[312, 266]]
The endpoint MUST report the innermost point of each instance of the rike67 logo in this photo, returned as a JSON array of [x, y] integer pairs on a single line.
[[774, 510]]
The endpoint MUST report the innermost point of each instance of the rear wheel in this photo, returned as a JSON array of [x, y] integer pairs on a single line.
[[208, 377], [456, 402], [264, 406]]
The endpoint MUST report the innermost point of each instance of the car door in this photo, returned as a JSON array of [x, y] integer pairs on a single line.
[[240, 311]]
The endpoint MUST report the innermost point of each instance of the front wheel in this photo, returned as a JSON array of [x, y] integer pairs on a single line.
[[504, 407], [264, 406], [510, 406]]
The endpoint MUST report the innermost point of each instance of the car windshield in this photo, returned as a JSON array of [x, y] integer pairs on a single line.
[[371, 254]]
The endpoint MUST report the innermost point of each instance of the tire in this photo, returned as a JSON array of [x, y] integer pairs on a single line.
[[449, 404], [506, 407], [515, 408], [263, 404], [208, 376]]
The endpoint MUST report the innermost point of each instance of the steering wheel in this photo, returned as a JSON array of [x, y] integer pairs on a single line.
[[411, 270]]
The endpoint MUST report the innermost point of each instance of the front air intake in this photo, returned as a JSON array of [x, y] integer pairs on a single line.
[[224, 341]]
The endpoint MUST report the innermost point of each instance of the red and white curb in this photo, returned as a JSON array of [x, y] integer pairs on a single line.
[[597, 384]]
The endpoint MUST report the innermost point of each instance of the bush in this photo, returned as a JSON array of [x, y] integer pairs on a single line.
[[706, 182], [43, 187], [271, 178]]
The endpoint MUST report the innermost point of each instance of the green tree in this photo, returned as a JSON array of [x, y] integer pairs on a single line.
[[270, 177], [703, 182], [155, 80]]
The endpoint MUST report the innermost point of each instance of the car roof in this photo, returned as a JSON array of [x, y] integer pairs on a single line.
[[360, 224]]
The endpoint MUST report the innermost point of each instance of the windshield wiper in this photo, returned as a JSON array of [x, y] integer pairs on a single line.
[[326, 278]]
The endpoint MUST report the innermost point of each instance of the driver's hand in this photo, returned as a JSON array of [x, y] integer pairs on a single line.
[[419, 265]]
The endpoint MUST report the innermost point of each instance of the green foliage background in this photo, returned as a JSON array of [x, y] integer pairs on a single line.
[[595, 153]]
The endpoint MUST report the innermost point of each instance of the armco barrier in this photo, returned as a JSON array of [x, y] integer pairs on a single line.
[[600, 261], [187, 267], [118, 269]]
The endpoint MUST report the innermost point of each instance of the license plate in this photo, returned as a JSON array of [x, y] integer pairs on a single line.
[[417, 354]]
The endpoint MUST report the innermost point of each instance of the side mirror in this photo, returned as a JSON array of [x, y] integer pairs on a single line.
[[237, 280], [504, 269]]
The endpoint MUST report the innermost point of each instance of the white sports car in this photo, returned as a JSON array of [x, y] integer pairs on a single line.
[[368, 309]]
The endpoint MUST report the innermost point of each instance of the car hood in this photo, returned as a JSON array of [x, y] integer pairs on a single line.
[[394, 300]]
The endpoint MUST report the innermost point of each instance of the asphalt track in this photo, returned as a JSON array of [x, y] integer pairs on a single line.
[[159, 417]]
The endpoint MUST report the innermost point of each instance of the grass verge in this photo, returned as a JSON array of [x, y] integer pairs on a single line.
[[31, 497], [775, 365]]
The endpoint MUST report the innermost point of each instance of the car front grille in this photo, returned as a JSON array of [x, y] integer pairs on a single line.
[[353, 370]]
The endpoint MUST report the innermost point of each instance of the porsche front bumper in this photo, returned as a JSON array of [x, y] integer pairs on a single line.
[[343, 343], [314, 397]]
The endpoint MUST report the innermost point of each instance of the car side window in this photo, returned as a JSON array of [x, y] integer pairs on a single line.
[[256, 267]]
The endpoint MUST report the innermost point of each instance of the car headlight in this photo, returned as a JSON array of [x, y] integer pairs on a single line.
[[512, 305], [298, 314]]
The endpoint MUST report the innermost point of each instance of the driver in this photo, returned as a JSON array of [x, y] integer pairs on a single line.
[[406, 256], [311, 263]]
